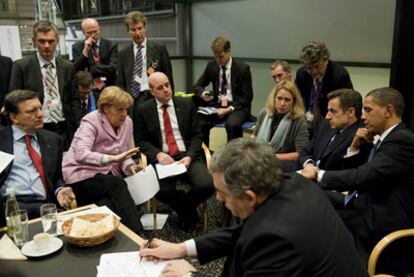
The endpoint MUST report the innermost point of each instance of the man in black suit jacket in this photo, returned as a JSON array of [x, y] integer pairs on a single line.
[[381, 194], [155, 57], [87, 96], [25, 113], [152, 136], [98, 55], [316, 78], [30, 73], [232, 91], [5, 72], [289, 228]]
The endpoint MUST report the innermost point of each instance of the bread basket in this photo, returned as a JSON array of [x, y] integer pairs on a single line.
[[92, 240]]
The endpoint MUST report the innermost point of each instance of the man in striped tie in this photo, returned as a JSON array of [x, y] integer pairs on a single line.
[[51, 78], [381, 194]]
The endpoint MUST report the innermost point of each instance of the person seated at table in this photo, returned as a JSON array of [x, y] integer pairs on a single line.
[[282, 123], [35, 173], [100, 156]]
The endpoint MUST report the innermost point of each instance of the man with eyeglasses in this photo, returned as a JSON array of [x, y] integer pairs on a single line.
[[316, 78], [281, 71]]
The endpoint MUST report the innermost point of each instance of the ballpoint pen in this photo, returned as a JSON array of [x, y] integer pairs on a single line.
[[148, 243]]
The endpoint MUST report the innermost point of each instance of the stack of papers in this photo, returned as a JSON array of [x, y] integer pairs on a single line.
[[127, 264]]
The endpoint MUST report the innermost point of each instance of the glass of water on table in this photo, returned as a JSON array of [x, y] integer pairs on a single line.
[[48, 214]]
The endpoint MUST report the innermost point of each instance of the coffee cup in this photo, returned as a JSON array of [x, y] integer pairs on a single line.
[[41, 240]]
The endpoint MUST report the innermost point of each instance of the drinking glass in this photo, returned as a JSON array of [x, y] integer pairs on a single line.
[[48, 213], [20, 225]]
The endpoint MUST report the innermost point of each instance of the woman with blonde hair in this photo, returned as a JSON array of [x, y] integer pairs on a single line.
[[282, 123], [100, 156]]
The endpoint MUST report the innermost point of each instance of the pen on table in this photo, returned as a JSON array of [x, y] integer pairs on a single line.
[[148, 243]]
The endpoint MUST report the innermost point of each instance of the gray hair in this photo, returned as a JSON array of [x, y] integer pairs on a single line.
[[389, 96], [314, 51], [247, 164]]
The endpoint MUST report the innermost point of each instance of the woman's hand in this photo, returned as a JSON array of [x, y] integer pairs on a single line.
[[123, 156]]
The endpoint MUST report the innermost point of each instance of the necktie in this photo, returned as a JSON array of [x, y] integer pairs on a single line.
[[136, 87], [169, 135], [316, 88], [84, 107], [370, 157], [96, 56], [223, 89], [37, 161], [55, 111]]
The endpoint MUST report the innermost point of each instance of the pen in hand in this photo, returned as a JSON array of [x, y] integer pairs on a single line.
[[148, 244]]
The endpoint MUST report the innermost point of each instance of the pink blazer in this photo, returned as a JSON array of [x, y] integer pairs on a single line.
[[94, 139]]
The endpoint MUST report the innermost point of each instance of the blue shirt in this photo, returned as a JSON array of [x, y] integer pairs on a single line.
[[23, 176]]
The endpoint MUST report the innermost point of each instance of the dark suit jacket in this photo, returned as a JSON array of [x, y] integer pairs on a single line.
[[157, 58], [295, 232], [26, 74], [108, 52], [51, 148], [147, 130], [331, 158], [385, 187], [336, 77], [241, 84], [5, 72]]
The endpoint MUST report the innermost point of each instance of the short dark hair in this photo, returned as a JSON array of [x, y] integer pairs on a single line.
[[348, 98], [44, 26], [389, 96], [247, 164], [14, 98], [83, 79]]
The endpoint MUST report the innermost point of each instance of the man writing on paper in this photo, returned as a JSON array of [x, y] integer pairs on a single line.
[[289, 227], [36, 179], [165, 131]]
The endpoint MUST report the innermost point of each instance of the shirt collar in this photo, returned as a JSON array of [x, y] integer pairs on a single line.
[[19, 133], [42, 61], [386, 132], [143, 44], [159, 104], [229, 63]]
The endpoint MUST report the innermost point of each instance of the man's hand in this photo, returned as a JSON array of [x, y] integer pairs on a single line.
[[186, 161], [206, 96], [361, 136], [65, 197], [89, 42], [177, 268], [160, 249], [123, 156], [222, 112], [309, 171], [164, 158]]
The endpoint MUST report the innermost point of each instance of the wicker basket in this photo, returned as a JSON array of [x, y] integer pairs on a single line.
[[89, 241]]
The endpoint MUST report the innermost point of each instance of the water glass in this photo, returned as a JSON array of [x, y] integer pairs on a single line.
[[48, 214], [20, 225]]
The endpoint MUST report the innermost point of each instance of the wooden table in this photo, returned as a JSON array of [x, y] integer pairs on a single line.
[[70, 260]]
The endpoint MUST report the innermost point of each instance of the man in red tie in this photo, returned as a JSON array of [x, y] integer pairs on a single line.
[[165, 130], [35, 172]]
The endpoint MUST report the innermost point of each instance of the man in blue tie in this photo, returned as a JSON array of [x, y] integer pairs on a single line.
[[381, 194]]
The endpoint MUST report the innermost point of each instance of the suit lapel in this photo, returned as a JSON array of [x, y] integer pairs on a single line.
[[180, 116], [46, 150], [37, 77], [129, 65], [153, 113], [60, 76]]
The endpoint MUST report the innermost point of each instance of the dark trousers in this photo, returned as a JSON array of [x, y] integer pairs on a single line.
[[31, 205], [233, 123], [111, 191], [185, 204]]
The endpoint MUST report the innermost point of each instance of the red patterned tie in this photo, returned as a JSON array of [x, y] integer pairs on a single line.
[[37, 161], [169, 135]]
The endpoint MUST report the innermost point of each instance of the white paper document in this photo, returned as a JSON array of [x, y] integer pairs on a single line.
[[143, 185], [147, 221], [207, 110], [5, 160], [127, 264], [167, 170]]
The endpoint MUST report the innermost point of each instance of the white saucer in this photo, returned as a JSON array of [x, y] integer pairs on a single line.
[[29, 249]]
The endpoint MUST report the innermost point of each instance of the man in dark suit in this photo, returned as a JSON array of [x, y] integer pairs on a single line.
[[33, 186], [381, 194], [232, 91], [51, 78], [140, 59], [316, 78], [5, 72], [97, 55], [165, 131], [283, 233], [329, 144], [87, 96]]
